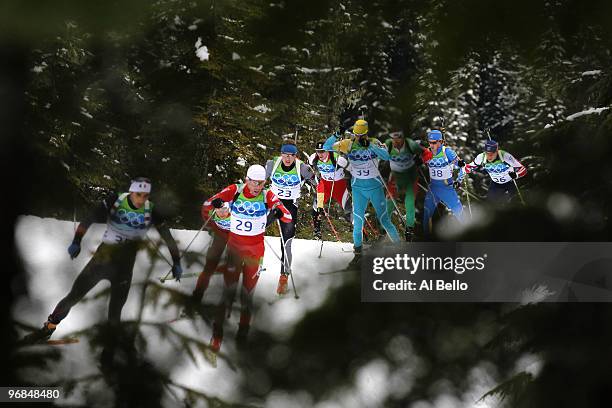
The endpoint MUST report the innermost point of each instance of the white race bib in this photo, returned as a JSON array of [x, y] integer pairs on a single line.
[[364, 170], [114, 236], [286, 192], [441, 173], [248, 226], [501, 178]]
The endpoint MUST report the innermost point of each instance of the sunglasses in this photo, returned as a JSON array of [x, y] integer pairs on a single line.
[[433, 142], [257, 182]]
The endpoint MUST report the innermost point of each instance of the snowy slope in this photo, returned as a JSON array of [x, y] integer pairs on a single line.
[[43, 242]]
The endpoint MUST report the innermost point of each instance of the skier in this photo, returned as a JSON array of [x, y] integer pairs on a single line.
[[442, 187], [405, 156], [366, 182], [288, 174], [332, 185], [501, 167], [128, 216], [249, 204]]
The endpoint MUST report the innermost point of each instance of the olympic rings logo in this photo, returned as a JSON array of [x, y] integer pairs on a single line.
[[250, 208], [326, 168], [438, 162], [224, 223], [130, 218], [496, 168], [288, 180], [360, 156], [401, 159]]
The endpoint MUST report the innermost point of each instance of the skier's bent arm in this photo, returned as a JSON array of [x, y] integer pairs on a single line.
[[519, 169], [273, 202], [98, 214]]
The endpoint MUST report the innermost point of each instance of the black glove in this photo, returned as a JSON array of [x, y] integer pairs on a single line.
[[364, 141], [456, 184], [461, 163], [341, 130], [217, 203], [512, 175], [277, 213]]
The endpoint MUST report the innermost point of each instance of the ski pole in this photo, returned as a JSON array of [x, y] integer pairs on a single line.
[[519, 192], [287, 261], [331, 225], [152, 244], [273, 251], [467, 195], [165, 278], [382, 180]]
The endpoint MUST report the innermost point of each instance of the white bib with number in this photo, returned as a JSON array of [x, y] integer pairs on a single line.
[[441, 173], [364, 169], [286, 192], [248, 217], [115, 236], [248, 226]]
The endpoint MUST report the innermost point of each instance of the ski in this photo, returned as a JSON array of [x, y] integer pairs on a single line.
[[336, 271], [58, 342], [50, 342]]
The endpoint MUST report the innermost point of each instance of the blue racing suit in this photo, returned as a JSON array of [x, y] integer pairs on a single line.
[[366, 183]]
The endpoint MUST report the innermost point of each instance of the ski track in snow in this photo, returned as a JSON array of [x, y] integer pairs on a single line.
[[43, 242]]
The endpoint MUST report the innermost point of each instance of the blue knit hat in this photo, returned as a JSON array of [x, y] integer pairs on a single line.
[[491, 146], [289, 149]]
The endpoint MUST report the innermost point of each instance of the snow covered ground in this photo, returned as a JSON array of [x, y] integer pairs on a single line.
[[42, 243]]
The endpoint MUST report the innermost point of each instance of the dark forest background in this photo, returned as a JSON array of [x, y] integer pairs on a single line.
[[94, 94]]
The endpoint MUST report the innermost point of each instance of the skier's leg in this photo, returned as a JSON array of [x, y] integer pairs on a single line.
[[360, 201], [393, 190], [230, 279], [410, 197], [288, 232], [344, 199], [213, 256], [377, 197], [429, 207], [496, 193], [96, 269], [121, 281], [316, 221], [510, 189], [250, 276], [451, 199]]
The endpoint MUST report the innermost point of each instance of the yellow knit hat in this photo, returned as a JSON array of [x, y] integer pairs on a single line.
[[360, 127]]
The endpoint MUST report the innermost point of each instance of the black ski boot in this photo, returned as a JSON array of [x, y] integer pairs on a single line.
[[409, 234], [41, 335], [356, 261], [316, 222], [348, 217]]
